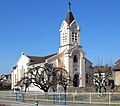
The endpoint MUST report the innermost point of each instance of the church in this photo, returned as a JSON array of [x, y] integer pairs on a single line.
[[70, 56]]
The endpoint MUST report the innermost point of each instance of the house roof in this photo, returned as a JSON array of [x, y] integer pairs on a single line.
[[117, 66], [101, 69], [14, 67], [4, 76], [69, 17], [38, 59]]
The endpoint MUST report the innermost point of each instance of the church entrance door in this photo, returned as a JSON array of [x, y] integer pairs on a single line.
[[76, 80]]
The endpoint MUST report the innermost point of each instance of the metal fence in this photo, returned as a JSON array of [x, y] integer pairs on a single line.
[[71, 98]]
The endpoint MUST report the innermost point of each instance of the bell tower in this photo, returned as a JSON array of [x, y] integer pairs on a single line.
[[69, 32]]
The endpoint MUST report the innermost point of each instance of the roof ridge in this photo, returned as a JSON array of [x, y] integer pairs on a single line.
[[41, 56], [36, 60]]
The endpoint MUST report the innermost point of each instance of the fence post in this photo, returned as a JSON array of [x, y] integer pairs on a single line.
[[10, 94], [90, 98], [109, 98], [59, 97], [73, 95], [3, 94]]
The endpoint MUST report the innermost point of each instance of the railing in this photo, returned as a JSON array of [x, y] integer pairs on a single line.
[[71, 98]]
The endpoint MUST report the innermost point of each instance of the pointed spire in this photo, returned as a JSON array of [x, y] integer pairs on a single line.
[[70, 16]]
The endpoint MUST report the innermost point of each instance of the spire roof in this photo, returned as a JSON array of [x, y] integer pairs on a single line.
[[69, 17]]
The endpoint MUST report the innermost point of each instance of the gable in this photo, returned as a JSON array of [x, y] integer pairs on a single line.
[[63, 25], [117, 66], [75, 48], [23, 60]]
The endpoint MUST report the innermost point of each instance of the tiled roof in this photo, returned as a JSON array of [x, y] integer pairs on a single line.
[[102, 69], [117, 65], [37, 59], [118, 61], [69, 17]]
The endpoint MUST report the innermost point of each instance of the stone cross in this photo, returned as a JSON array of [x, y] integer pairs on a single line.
[[69, 5]]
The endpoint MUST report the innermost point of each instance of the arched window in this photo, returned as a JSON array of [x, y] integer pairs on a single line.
[[75, 59]]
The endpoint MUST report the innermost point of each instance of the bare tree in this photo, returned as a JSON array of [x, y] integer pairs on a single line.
[[101, 76], [65, 81], [24, 83], [46, 76]]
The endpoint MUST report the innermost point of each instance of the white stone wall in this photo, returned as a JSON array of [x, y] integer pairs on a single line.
[[21, 68]]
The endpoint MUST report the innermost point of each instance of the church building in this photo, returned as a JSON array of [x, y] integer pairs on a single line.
[[70, 56]]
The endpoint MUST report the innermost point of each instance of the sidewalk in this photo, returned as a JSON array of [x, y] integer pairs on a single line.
[[16, 103], [88, 105]]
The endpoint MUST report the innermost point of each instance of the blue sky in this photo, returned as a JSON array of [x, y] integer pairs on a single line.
[[32, 27]]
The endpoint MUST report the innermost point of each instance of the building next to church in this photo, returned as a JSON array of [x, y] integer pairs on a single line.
[[70, 56], [116, 70]]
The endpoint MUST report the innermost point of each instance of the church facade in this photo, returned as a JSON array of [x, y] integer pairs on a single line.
[[70, 56]]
